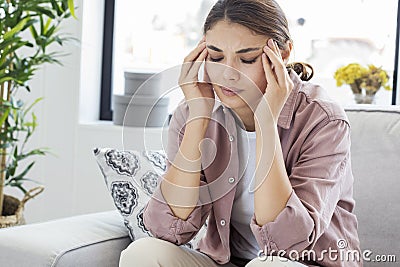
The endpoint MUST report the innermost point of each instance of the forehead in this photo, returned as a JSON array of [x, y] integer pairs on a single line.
[[232, 36]]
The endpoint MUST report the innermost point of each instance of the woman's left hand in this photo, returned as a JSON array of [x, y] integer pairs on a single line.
[[279, 84]]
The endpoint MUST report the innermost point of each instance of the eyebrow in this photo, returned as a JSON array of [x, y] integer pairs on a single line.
[[241, 51]]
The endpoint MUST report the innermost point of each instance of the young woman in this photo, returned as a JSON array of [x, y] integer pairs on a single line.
[[260, 152]]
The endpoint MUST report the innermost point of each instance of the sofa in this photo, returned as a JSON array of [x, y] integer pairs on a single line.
[[97, 239]]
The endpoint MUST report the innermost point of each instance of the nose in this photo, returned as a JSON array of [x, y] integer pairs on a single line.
[[230, 74]]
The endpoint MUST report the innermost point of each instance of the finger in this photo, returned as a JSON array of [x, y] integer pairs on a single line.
[[277, 64], [195, 52], [191, 57], [274, 46], [194, 69], [279, 51], [269, 74]]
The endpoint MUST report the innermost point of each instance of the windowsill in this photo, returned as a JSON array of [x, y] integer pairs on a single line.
[[110, 126], [106, 134]]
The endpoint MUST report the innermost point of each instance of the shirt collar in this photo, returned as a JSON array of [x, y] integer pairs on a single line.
[[217, 105], [286, 115]]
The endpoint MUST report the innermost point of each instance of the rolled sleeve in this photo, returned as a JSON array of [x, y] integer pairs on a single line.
[[162, 223], [293, 222], [316, 180]]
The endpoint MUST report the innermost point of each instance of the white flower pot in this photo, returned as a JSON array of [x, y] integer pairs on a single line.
[[140, 111]]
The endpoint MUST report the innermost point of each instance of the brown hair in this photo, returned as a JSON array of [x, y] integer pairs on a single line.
[[264, 17]]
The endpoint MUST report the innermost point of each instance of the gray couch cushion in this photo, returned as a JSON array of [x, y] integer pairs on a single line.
[[375, 152], [86, 240]]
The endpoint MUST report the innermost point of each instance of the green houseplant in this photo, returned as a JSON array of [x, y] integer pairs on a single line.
[[27, 29]]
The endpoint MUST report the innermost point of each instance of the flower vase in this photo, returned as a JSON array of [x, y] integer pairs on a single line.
[[364, 98]]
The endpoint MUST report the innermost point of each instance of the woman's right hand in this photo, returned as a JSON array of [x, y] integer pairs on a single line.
[[199, 95]]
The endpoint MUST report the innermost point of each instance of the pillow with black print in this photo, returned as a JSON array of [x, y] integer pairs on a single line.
[[131, 178]]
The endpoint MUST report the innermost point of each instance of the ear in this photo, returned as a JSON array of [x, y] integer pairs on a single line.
[[286, 53]]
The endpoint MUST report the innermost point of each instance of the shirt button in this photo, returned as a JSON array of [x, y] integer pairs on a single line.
[[230, 138], [231, 180], [222, 222]]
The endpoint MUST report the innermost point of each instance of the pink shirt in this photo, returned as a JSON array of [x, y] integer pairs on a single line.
[[315, 139]]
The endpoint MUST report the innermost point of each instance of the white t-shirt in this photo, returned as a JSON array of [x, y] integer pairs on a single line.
[[243, 205]]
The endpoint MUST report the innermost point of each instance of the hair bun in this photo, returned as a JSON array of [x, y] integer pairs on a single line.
[[304, 70]]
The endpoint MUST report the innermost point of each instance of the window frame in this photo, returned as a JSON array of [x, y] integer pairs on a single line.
[[107, 61], [396, 58]]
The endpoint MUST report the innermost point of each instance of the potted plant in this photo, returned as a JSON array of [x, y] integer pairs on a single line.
[[364, 81], [27, 29]]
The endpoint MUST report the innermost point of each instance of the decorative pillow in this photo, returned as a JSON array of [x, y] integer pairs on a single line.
[[131, 177]]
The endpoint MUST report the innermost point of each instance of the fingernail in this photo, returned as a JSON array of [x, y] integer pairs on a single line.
[[271, 42]]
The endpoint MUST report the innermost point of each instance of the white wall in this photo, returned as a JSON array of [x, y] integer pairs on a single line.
[[67, 125]]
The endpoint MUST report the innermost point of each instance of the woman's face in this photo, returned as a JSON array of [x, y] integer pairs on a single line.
[[237, 74]]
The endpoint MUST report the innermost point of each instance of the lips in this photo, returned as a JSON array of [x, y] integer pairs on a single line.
[[230, 91]]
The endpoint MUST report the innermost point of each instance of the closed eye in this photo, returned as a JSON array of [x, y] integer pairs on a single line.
[[249, 61], [216, 59], [243, 60]]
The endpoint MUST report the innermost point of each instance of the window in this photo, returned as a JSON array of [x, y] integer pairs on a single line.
[[155, 35], [330, 34]]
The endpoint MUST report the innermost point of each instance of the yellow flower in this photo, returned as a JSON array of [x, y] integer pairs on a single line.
[[371, 78], [349, 74]]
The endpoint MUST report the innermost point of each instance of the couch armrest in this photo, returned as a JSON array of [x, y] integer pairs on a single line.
[[86, 240]]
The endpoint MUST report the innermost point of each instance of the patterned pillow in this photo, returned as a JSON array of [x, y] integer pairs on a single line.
[[131, 177]]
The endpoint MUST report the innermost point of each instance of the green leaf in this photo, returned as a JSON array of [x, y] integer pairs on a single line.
[[34, 152], [32, 105], [34, 119], [4, 116], [42, 32], [12, 168], [16, 29], [48, 23], [19, 185], [52, 30], [5, 79], [33, 32], [24, 172], [71, 7], [38, 10], [15, 47], [8, 42], [56, 7], [26, 179], [31, 22]]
